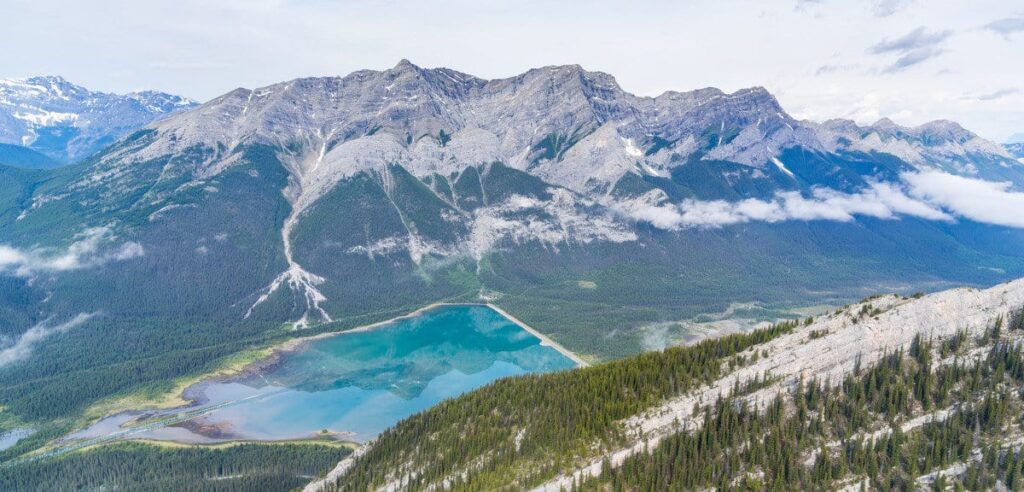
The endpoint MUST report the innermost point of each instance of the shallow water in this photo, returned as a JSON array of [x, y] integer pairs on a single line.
[[11, 437], [355, 385]]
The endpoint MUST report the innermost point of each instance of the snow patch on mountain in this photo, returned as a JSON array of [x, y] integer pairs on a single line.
[[782, 167], [69, 122]]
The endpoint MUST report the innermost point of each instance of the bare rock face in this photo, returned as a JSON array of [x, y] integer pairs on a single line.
[[573, 128], [68, 122], [942, 145]]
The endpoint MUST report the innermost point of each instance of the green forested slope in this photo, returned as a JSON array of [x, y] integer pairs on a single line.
[[817, 437], [138, 467]]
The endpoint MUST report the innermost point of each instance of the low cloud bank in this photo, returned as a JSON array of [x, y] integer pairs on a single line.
[[22, 347], [928, 195], [90, 249], [974, 199]]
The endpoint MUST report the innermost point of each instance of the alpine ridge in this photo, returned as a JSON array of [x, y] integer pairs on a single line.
[[568, 126]]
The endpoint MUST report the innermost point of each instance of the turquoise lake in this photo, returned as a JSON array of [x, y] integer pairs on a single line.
[[358, 384]]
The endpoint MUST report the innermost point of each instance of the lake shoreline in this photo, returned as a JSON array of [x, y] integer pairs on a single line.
[[255, 367], [544, 339], [194, 395]]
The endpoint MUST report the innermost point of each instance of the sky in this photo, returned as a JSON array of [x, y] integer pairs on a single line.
[[909, 60]]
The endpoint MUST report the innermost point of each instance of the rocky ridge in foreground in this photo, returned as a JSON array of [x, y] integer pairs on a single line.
[[828, 349]]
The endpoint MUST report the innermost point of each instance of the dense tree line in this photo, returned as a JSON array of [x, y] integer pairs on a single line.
[[533, 426], [136, 466], [79, 367]]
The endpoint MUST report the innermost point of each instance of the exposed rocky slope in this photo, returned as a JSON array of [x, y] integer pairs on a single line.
[[563, 124], [859, 334]]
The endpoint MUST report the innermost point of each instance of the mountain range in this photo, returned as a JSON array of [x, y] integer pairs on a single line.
[[609, 221], [67, 122]]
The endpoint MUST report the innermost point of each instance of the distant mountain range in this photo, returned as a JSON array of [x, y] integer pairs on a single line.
[[607, 220], [66, 122]]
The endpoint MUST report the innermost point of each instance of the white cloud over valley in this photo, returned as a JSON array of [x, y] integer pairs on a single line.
[[975, 199], [21, 348], [930, 195], [91, 248]]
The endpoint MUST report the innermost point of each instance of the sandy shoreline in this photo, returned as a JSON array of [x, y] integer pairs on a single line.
[[544, 339]]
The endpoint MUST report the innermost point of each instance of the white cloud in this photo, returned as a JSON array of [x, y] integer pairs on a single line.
[[90, 249], [999, 94], [930, 195], [975, 199], [913, 48], [1007, 26], [22, 347], [879, 200], [885, 8], [660, 216]]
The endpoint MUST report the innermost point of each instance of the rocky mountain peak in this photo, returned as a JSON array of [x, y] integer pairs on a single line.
[[404, 65], [945, 130], [161, 102], [886, 124], [569, 126], [932, 132]]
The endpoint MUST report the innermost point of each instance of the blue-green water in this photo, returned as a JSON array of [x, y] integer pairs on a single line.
[[358, 384], [11, 437]]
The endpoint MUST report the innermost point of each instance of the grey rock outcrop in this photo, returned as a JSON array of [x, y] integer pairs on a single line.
[[571, 127]]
